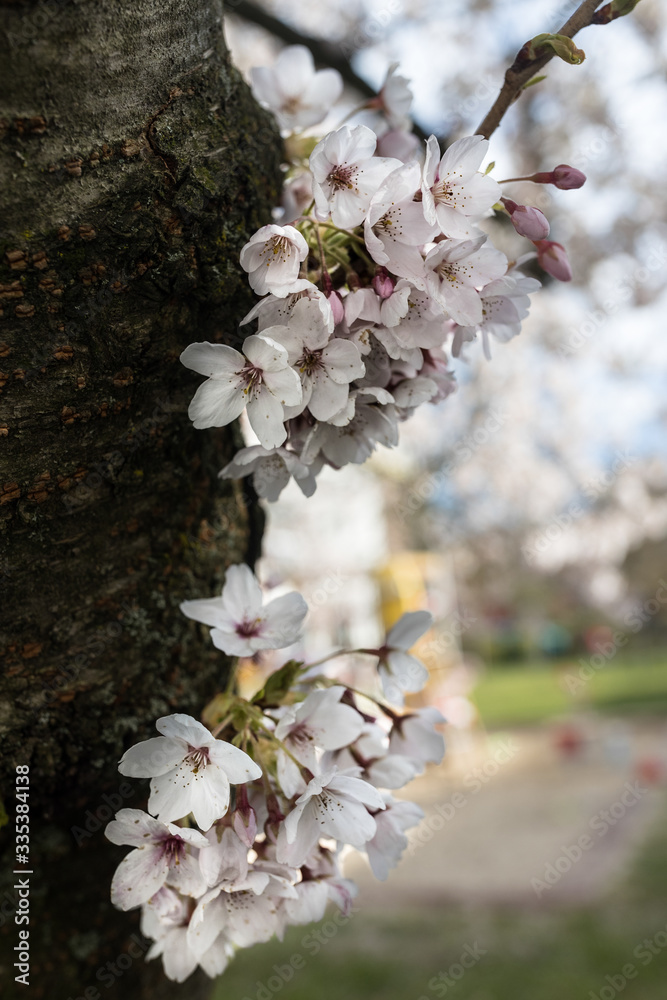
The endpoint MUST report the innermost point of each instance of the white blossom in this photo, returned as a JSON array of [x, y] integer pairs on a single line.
[[272, 258], [271, 470], [319, 722], [415, 737], [294, 91], [386, 847], [456, 269], [396, 226], [162, 855], [455, 194], [505, 303], [165, 918], [190, 769], [333, 805], [395, 99], [259, 379], [347, 174], [325, 366], [242, 624], [399, 671]]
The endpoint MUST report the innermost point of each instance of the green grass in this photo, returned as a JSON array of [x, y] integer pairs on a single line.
[[531, 954], [522, 695]]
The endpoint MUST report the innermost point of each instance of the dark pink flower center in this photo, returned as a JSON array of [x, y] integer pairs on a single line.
[[248, 629], [173, 848], [197, 758], [341, 177]]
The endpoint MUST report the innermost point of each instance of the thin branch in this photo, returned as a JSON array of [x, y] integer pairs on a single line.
[[324, 54], [521, 71]]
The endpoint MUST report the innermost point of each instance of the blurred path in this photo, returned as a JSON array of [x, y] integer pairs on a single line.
[[526, 817]]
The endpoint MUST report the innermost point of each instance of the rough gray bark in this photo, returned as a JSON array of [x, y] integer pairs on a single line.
[[133, 165]]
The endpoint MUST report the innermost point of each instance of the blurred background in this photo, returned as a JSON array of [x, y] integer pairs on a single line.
[[528, 512]]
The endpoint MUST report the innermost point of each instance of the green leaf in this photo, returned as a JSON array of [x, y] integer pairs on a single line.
[[278, 684], [534, 80], [560, 45]]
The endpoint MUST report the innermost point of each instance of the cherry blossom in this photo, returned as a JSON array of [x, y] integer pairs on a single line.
[[455, 269], [294, 91], [191, 770], [341, 352], [355, 441], [395, 225], [346, 174], [318, 722], [241, 623], [395, 99], [333, 805], [162, 856], [384, 850], [414, 736], [326, 368], [505, 303], [455, 194], [272, 258], [271, 470], [259, 379], [363, 293], [399, 671], [165, 919]]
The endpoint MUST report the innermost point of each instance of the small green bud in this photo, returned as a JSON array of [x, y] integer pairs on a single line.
[[617, 8], [560, 45]]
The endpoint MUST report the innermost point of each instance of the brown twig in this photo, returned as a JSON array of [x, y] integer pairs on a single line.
[[522, 70]]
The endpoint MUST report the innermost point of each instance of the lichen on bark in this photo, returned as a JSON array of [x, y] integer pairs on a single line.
[[134, 164]]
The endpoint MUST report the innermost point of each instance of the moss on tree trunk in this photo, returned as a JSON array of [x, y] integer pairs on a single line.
[[133, 166]]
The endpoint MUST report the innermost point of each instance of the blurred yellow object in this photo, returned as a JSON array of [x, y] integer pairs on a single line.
[[405, 581]]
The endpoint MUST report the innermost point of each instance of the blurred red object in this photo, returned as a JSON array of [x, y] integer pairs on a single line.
[[568, 739], [650, 770]]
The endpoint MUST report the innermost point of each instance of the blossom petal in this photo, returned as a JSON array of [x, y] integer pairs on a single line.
[[186, 876], [265, 414], [138, 877], [210, 797], [171, 797], [409, 627], [135, 828], [214, 360], [265, 353], [283, 617], [184, 727], [216, 404], [151, 758], [236, 764]]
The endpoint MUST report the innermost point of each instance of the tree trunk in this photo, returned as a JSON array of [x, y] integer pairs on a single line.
[[133, 166]]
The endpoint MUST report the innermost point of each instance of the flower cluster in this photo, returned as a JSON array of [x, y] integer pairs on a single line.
[[376, 268], [247, 819]]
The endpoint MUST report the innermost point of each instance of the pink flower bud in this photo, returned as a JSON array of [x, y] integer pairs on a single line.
[[567, 177], [383, 284], [337, 308], [552, 257], [527, 221], [562, 176]]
